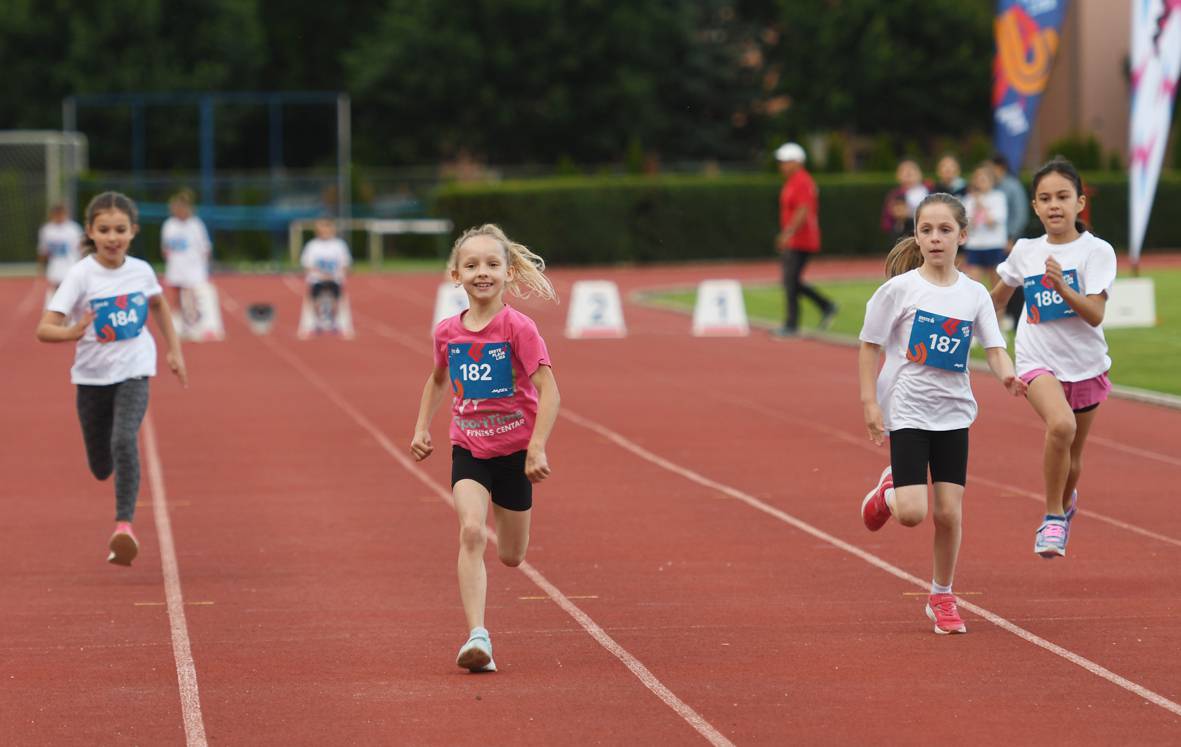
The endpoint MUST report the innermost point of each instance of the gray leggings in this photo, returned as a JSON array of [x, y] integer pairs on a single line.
[[110, 417]]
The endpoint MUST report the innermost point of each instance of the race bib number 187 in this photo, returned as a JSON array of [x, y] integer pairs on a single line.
[[1043, 303], [939, 341], [480, 370], [119, 317]]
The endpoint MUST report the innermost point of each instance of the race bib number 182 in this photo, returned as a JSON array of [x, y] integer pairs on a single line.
[[119, 317], [939, 341], [1043, 303], [480, 370]]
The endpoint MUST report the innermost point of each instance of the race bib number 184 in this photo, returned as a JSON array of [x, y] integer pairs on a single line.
[[119, 317], [939, 341]]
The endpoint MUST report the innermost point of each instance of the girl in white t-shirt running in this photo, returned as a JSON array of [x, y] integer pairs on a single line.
[[186, 246], [109, 294], [504, 404], [923, 318], [1061, 350], [57, 245]]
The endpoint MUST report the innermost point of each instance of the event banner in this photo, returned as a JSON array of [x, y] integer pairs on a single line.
[[1156, 61], [1026, 42]]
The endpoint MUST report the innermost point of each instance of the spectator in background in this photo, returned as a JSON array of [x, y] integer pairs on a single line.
[[987, 226], [58, 243], [1017, 218], [185, 244], [903, 200], [799, 237], [950, 181]]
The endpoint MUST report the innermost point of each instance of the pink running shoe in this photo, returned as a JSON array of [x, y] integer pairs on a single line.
[[874, 510], [942, 611], [123, 545]]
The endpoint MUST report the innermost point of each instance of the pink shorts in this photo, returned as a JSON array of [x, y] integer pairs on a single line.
[[1080, 395]]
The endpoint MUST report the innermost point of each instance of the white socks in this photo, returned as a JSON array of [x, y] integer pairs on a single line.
[[937, 589]]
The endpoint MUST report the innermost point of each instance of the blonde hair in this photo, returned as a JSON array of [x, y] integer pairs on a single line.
[[906, 255], [528, 268]]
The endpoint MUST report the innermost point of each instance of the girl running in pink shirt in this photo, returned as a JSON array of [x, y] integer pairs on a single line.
[[504, 404], [1061, 350], [923, 319]]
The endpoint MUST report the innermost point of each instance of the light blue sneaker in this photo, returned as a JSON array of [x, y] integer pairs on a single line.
[[476, 654], [1070, 512], [1050, 540]]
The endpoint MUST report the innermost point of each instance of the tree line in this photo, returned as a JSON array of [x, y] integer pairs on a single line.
[[546, 82]]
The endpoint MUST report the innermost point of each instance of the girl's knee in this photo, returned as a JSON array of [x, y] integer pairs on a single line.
[[947, 519], [102, 470], [1061, 431], [910, 515], [512, 557], [471, 536]]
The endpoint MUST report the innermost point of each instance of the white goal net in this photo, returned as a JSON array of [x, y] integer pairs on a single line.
[[37, 169]]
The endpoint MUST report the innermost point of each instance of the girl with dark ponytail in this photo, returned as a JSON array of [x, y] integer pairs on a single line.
[[1061, 351]]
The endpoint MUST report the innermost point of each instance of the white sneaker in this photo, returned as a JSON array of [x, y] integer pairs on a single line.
[[476, 654]]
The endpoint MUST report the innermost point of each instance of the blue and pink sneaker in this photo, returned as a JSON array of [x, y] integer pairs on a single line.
[[1070, 512], [1050, 540]]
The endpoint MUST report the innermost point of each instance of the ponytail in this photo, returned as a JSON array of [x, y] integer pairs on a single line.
[[107, 201], [904, 257]]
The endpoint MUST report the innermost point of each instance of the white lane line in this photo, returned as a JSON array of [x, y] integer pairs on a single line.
[[637, 668], [863, 443], [186, 671], [870, 558]]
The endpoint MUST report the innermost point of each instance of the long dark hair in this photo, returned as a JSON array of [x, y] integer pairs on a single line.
[[906, 255], [1062, 167], [101, 204]]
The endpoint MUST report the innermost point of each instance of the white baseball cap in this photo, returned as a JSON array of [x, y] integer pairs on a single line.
[[790, 152]]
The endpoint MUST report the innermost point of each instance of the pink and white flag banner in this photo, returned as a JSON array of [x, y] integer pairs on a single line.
[[1156, 64]]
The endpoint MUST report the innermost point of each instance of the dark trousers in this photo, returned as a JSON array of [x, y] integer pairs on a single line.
[[110, 418], [794, 287]]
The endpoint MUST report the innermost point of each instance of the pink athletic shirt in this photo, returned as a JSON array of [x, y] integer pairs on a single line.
[[495, 403]]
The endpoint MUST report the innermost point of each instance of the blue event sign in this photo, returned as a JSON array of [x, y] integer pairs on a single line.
[[1027, 40], [480, 370], [939, 341]]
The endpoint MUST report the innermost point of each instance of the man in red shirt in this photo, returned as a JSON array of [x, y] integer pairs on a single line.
[[799, 237]]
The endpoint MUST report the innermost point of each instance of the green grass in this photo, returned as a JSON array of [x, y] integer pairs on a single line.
[[1147, 358]]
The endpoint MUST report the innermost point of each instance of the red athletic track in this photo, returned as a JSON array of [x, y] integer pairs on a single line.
[[318, 572]]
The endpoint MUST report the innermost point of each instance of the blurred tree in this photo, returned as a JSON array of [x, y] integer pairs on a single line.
[[531, 80], [914, 68]]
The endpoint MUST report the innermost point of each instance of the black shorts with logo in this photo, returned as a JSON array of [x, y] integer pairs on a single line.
[[502, 476]]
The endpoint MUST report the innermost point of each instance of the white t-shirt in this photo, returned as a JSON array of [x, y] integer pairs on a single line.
[[125, 349], [59, 242], [186, 247], [326, 259], [913, 394], [988, 217], [1069, 347]]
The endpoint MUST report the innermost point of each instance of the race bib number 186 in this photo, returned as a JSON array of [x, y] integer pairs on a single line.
[[1043, 303], [939, 341]]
